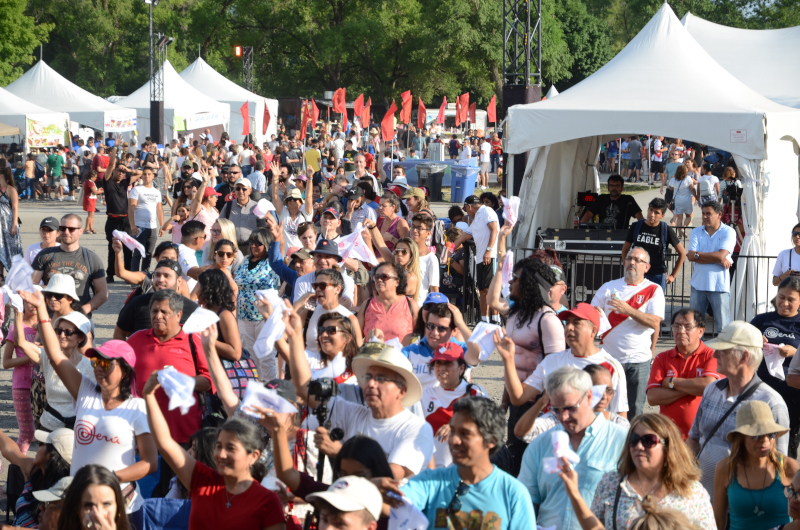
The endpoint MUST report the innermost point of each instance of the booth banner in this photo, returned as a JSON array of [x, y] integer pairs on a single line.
[[178, 123], [120, 121], [44, 132], [198, 121]]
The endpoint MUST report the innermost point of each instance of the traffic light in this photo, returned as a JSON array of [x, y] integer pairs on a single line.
[[237, 51]]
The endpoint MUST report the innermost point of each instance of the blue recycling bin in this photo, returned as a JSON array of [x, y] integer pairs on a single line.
[[462, 182]]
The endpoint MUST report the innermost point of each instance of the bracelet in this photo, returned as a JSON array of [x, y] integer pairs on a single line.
[[42, 321]]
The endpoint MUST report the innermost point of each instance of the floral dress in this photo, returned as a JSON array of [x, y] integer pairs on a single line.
[[249, 281], [696, 505], [10, 246]]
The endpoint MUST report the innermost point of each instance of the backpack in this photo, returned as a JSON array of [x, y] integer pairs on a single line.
[[706, 188], [38, 170], [14, 486], [637, 228]]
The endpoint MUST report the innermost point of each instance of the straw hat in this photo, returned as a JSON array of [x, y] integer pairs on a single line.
[[379, 354], [754, 418]]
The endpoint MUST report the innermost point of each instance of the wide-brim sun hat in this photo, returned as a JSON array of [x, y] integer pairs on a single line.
[[62, 284], [380, 354], [79, 320], [754, 418]]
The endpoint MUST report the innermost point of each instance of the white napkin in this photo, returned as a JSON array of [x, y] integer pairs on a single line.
[[511, 210], [201, 319], [354, 246], [274, 327], [774, 360], [506, 271], [128, 240], [262, 208], [19, 276], [179, 388], [258, 394], [406, 516], [597, 394], [483, 336], [14, 298], [561, 449]]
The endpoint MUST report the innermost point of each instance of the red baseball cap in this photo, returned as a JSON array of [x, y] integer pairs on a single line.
[[583, 311], [209, 191], [449, 351]]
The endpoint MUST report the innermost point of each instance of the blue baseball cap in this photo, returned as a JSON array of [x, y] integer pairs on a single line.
[[436, 298]]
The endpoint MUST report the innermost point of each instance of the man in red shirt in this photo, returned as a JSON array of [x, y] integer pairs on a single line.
[[679, 376], [100, 161], [167, 345]]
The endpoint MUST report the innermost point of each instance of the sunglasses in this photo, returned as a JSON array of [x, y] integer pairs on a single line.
[[384, 277], [223, 254], [66, 332], [440, 329], [241, 188], [770, 436], [329, 330], [254, 243], [236, 172], [795, 234], [70, 228], [648, 440], [455, 502], [320, 285], [55, 296], [571, 410], [105, 364], [400, 252]]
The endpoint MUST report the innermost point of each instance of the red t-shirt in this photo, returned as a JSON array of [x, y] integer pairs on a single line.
[[100, 163], [253, 509], [368, 160], [497, 147], [670, 363], [152, 354]]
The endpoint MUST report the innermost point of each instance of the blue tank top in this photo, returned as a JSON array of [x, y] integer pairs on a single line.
[[743, 511]]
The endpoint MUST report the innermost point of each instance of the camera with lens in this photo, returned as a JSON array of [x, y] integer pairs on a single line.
[[323, 389]]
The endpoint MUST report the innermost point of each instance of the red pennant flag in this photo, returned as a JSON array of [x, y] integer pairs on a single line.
[[405, 113], [306, 119], [422, 114], [387, 124], [266, 118], [442, 107], [245, 110], [358, 108], [314, 112], [338, 102], [367, 113], [473, 110], [458, 111], [464, 106], [491, 110]]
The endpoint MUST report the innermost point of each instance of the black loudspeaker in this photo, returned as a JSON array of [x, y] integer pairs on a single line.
[[592, 272], [518, 95], [157, 122]]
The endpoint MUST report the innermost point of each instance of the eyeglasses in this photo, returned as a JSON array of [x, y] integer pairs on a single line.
[[223, 254], [637, 261], [790, 493], [648, 440], [254, 243], [380, 379], [320, 285], [105, 364], [400, 252], [70, 228], [419, 228], [571, 410], [215, 232], [770, 436], [455, 502], [66, 332], [440, 329], [329, 330], [384, 278], [54, 296]]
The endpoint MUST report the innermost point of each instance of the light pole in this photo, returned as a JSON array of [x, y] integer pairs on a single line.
[[156, 102]]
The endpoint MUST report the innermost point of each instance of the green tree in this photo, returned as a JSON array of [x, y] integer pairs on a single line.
[[587, 38], [21, 39]]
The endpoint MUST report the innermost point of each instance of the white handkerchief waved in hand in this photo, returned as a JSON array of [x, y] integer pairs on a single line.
[[262, 208], [561, 449], [200, 320], [19, 276], [127, 240], [354, 246], [178, 387], [506, 271], [267, 398], [483, 336], [13, 298], [774, 360], [273, 328], [511, 210], [406, 516], [597, 394]]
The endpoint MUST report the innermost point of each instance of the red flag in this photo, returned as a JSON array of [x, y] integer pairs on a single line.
[[387, 124], [422, 114], [473, 109], [344, 119], [464, 106], [266, 118], [405, 113], [367, 113], [442, 107], [306, 119], [458, 111], [491, 110], [358, 108], [338, 102], [314, 112], [245, 110]]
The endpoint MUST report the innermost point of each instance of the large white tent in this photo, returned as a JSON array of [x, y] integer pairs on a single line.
[[698, 100], [204, 78], [761, 59], [16, 112], [182, 103], [47, 88]]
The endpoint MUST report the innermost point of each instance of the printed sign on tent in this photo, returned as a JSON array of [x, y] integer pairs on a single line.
[[44, 132], [121, 121]]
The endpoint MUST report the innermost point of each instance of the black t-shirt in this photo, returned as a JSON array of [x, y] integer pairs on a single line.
[[116, 194], [649, 238], [618, 212], [780, 330], [135, 316], [56, 260]]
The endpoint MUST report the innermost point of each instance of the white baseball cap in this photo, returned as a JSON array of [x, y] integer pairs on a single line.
[[351, 494], [737, 333], [55, 493], [62, 439]]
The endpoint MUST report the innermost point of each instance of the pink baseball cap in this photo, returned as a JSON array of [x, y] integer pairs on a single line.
[[117, 349]]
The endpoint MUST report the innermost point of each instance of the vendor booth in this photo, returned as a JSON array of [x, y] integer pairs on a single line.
[[698, 100], [40, 127]]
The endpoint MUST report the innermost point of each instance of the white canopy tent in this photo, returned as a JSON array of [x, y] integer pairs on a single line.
[[204, 78], [553, 92], [761, 59], [45, 87], [182, 103], [563, 136], [14, 110]]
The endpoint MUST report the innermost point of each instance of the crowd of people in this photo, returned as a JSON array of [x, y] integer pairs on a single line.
[[369, 368]]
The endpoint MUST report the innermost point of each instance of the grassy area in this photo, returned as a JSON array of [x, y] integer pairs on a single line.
[[446, 192], [630, 189]]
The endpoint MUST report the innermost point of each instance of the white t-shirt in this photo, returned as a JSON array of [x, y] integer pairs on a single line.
[[429, 270], [338, 145], [437, 405], [629, 341], [107, 437], [482, 233], [290, 226], [466, 153], [311, 331], [147, 201], [557, 360], [712, 186], [303, 286], [244, 156], [57, 394], [406, 439], [486, 150], [187, 258], [656, 155], [787, 259], [33, 250]]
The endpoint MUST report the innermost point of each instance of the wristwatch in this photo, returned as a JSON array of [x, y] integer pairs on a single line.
[[671, 382], [489, 249], [696, 255]]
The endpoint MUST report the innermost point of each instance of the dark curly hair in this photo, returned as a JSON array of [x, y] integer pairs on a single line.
[[215, 290], [492, 197], [531, 299], [402, 282]]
